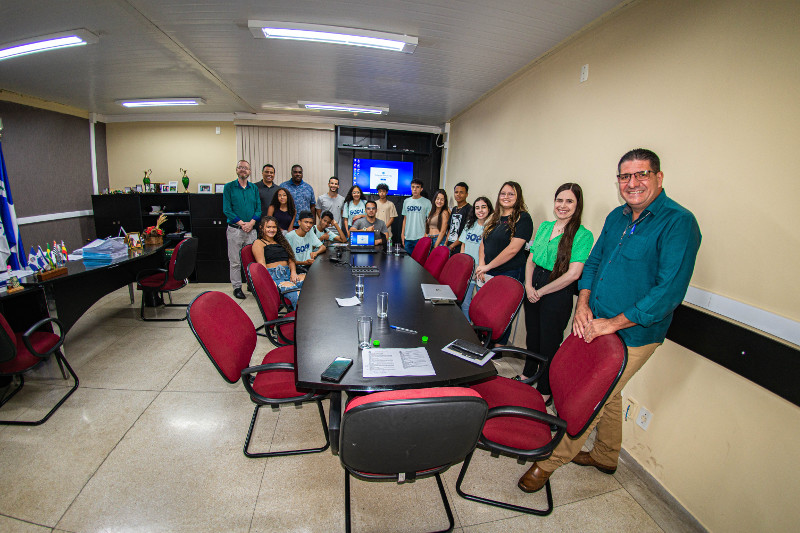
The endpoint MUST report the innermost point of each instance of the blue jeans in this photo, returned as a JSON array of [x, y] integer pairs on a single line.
[[410, 246], [468, 298], [279, 275]]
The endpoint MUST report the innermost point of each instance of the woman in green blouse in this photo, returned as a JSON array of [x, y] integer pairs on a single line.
[[555, 263]]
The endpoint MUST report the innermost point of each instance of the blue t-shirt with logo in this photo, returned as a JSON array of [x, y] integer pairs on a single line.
[[416, 211], [471, 237], [302, 246], [350, 210]]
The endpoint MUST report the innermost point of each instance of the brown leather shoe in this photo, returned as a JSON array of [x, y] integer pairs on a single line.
[[534, 479], [585, 459]]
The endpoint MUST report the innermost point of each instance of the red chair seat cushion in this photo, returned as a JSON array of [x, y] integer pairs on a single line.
[[278, 384], [155, 281], [514, 431], [41, 341]]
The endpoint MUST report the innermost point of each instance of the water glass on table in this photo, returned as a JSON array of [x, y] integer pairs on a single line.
[[383, 304], [364, 325]]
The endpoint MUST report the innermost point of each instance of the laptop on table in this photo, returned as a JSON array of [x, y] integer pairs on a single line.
[[362, 242]]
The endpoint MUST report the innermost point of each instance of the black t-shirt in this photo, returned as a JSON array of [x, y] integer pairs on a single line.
[[457, 219], [500, 237], [266, 194]]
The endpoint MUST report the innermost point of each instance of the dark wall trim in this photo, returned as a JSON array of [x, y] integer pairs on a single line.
[[755, 356]]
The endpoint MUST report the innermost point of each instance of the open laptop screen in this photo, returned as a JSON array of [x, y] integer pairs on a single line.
[[362, 238]]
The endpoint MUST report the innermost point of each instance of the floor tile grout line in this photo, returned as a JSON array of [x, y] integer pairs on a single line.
[[258, 494], [653, 518], [26, 521]]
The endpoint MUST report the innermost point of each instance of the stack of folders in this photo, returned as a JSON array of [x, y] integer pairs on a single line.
[[105, 253]]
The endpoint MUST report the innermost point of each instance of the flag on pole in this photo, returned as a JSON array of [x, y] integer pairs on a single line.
[[11, 249]]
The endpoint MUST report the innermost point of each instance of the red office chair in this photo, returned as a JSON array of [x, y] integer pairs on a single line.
[[582, 377], [245, 258], [228, 338], [155, 282], [494, 307], [457, 273], [279, 330], [436, 260], [421, 250], [21, 352], [407, 434]]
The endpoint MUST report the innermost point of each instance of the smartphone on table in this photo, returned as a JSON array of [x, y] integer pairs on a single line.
[[336, 369]]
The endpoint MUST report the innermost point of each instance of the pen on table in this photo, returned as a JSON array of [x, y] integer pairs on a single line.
[[398, 328]]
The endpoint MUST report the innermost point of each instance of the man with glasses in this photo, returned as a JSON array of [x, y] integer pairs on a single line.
[[242, 207], [372, 223], [635, 277]]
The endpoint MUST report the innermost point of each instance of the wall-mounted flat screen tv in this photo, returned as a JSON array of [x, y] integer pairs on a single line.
[[368, 173]]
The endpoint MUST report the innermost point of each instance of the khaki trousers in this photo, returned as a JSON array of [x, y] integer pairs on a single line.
[[608, 421], [237, 239]]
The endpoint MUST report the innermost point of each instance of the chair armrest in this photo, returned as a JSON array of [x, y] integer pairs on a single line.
[[532, 414], [280, 321], [542, 359], [150, 272], [27, 341], [256, 397], [488, 331]]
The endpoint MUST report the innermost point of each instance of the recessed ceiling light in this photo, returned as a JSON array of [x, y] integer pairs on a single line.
[[346, 108], [47, 42], [160, 102], [268, 29]]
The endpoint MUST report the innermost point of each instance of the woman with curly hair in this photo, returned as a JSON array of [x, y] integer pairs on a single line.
[[273, 251], [354, 207], [282, 208]]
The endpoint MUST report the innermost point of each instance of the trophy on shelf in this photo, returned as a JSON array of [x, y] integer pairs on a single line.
[[185, 180], [146, 180]]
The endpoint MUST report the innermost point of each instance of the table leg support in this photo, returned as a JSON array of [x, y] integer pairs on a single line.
[[335, 419]]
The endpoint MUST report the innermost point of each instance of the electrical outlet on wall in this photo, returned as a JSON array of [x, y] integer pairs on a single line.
[[629, 408], [643, 418]]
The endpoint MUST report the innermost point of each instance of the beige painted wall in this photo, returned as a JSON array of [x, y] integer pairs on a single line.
[[712, 87], [166, 147]]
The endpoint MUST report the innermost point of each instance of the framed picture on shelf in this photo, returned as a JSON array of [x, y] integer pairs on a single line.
[[134, 240], [219, 188], [204, 188], [165, 187], [173, 186], [139, 188]]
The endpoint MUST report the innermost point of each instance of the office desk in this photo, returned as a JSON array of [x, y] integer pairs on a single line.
[[71, 295], [325, 331]]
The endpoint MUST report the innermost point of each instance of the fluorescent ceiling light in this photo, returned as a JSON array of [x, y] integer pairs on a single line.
[[347, 108], [47, 42], [268, 29], [159, 102]]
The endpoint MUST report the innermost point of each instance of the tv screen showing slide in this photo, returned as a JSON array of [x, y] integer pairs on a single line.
[[369, 173]]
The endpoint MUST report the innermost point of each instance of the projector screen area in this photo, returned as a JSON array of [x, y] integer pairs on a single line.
[[397, 175]]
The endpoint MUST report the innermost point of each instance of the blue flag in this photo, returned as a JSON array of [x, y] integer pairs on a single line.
[[10, 241]]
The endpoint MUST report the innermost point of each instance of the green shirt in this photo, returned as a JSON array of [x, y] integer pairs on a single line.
[[544, 249], [241, 203]]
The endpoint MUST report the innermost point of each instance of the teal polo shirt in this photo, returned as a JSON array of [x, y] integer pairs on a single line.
[[241, 203], [642, 269]]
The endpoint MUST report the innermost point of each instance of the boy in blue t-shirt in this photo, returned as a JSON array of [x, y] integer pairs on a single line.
[[303, 242], [415, 214]]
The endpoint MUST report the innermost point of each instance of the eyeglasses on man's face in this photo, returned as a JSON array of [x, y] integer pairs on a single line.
[[642, 175]]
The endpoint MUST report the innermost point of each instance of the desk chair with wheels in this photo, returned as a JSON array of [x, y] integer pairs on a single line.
[[436, 260], [582, 375], [494, 307], [279, 330], [407, 434], [421, 250], [155, 282], [270, 383], [21, 352], [457, 273]]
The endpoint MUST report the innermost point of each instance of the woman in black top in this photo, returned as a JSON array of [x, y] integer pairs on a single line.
[[282, 208], [274, 252]]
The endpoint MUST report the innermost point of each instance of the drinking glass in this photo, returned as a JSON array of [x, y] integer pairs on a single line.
[[364, 331], [383, 304], [397, 249], [360, 286]]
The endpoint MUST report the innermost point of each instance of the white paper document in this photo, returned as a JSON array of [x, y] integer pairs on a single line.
[[348, 302], [383, 362]]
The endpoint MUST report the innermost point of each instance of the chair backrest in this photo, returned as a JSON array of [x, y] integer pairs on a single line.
[[8, 341], [184, 258], [496, 304], [246, 255], [436, 260], [225, 332], [421, 250], [410, 431], [582, 376], [262, 284], [457, 273]]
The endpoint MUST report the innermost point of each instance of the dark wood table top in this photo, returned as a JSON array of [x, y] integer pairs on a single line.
[[325, 331]]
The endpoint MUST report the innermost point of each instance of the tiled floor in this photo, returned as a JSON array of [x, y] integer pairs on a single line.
[[152, 441]]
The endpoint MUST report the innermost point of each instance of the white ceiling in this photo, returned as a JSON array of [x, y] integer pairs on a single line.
[[154, 48]]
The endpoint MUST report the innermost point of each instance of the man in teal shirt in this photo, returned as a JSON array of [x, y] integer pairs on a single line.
[[242, 207], [635, 277]]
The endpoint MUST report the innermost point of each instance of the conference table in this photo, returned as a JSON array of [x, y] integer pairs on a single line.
[[70, 295], [324, 330]]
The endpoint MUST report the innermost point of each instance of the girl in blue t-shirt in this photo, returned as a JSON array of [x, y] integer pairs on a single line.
[[470, 239], [353, 208]]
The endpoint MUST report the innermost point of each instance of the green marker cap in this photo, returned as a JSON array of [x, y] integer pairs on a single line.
[[424, 338], [376, 342]]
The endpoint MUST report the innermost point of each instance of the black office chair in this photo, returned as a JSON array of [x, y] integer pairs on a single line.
[[21, 352], [155, 282], [407, 434]]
